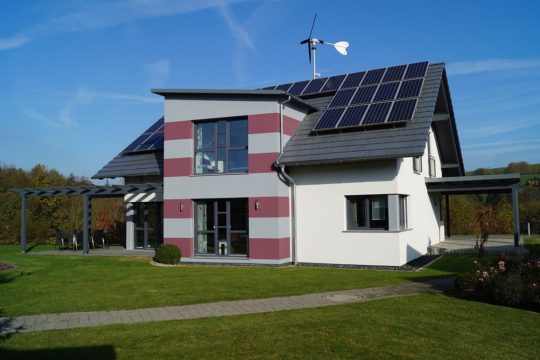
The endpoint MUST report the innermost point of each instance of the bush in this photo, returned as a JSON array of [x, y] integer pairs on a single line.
[[168, 254], [512, 281]]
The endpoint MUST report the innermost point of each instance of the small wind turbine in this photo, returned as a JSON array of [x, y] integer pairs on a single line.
[[340, 46]]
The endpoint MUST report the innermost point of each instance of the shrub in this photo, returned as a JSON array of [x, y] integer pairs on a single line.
[[168, 254], [509, 290]]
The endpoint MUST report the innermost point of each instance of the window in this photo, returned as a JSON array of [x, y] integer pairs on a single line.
[[432, 170], [367, 212], [221, 146], [417, 164], [403, 216]]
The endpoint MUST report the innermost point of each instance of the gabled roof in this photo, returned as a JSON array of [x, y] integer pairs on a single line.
[[308, 147]]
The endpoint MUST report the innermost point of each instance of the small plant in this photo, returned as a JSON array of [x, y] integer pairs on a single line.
[[484, 223], [168, 254]]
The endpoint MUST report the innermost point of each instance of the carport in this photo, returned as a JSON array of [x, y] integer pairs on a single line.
[[87, 193], [483, 184]]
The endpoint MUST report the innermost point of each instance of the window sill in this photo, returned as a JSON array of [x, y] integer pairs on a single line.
[[378, 231], [220, 174]]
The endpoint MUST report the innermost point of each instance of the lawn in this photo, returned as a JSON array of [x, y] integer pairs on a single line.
[[50, 284], [426, 326]]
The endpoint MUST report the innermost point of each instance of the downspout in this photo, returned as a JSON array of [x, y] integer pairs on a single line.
[[290, 182], [281, 107]]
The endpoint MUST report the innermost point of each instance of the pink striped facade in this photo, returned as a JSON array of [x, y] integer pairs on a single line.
[[266, 209]]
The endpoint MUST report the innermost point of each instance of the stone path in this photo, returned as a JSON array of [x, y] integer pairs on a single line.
[[224, 308]]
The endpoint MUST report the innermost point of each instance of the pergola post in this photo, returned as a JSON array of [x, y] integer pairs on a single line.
[[447, 202], [515, 211], [86, 210], [23, 222]]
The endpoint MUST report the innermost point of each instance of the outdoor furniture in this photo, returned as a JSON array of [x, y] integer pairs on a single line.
[[98, 236], [61, 239]]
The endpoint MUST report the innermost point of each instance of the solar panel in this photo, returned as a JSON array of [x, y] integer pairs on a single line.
[[373, 77], [353, 116], [342, 98], [416, 70], [377, 113], [151, 139], [284, 87], [410, 88], [353, 80], [314, 86], [329, 119], [269, 88], [402, 110], [394, 73], [386, 91], [333, 83], [298, 87], [364, 94]]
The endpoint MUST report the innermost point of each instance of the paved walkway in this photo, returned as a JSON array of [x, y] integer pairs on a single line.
[[224, 308]]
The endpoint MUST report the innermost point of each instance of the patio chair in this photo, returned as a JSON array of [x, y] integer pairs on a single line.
[[97, 236], [78, 240], [61, 239]]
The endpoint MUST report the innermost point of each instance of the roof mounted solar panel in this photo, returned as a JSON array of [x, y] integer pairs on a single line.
[[269, 88], [333, 83], [353, 80], [402, 110], [342, 98], [386, 91], [416, 70], [157, 126], [364, 94], [394, 73], [353, 116], [329, 119], [377, 113], [298, 87], [151, 139], [373, 76], [315, 86], [410, 88], [284, 87]]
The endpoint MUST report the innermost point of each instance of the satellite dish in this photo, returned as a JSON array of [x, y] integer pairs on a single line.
[[340, 46]]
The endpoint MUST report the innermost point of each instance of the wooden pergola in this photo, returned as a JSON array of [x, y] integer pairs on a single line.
[[87, 193]]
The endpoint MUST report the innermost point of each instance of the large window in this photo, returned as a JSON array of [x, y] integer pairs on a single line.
[[367, 212], [221, 227], [221, 146], [403, 215], [417, 165]]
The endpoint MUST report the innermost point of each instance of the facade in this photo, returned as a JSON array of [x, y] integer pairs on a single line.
[[260, 177]]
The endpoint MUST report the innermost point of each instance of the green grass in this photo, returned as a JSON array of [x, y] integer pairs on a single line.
[[533, 244], [50, 284], [423, 326]]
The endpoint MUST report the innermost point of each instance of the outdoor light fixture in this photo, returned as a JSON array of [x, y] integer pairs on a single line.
[[257, 204], [181, 206]]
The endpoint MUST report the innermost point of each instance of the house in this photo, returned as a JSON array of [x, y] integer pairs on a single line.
[[328, 171]]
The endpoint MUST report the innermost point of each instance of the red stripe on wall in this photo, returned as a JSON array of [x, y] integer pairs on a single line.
[[177, 167], [261, 163], [185, 245], [177, 208], [263, 123], [289, 125], [177, 130], [269, 248], [269, 206]]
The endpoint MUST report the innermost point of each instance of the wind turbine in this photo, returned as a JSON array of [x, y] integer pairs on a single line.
[[340, 46]]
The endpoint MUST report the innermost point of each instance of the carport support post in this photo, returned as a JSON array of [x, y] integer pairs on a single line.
[[447, 203], [86, 201], [515, 210], [23, 223]]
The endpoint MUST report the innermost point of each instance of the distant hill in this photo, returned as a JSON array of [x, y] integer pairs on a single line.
[[530, 173]]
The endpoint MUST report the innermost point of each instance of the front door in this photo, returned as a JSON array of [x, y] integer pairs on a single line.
[[221, 227], [148, 225]]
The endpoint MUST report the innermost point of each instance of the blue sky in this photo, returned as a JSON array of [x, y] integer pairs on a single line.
[[75, 76]]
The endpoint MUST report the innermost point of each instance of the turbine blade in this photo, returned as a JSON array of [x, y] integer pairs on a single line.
[[312, 25], [309, 51]]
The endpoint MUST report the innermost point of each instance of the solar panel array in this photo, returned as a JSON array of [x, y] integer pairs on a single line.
[[151, 139], [374, 97]]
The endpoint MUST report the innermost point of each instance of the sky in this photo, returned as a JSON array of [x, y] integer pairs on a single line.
[[75, 75]]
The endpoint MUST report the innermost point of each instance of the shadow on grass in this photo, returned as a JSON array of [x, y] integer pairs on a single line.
[[534, 250], [102, 352]]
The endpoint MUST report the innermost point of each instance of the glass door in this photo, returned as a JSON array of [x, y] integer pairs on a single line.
[[221, 227], [148, 225]]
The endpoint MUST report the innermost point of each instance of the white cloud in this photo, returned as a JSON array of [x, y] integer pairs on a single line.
[[237, 30], [478, 66], [497, 148], [97, 15], [158, 72]]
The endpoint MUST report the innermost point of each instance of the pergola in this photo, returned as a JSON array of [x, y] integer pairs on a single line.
[[87, 193], [482, 184]]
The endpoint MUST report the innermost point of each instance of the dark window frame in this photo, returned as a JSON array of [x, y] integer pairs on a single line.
[[364, 203], [216, 148]]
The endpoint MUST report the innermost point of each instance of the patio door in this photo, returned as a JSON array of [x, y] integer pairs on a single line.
[[148, 225], [221, 227]]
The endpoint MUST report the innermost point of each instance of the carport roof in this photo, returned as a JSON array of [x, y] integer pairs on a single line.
[[473, 184]]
